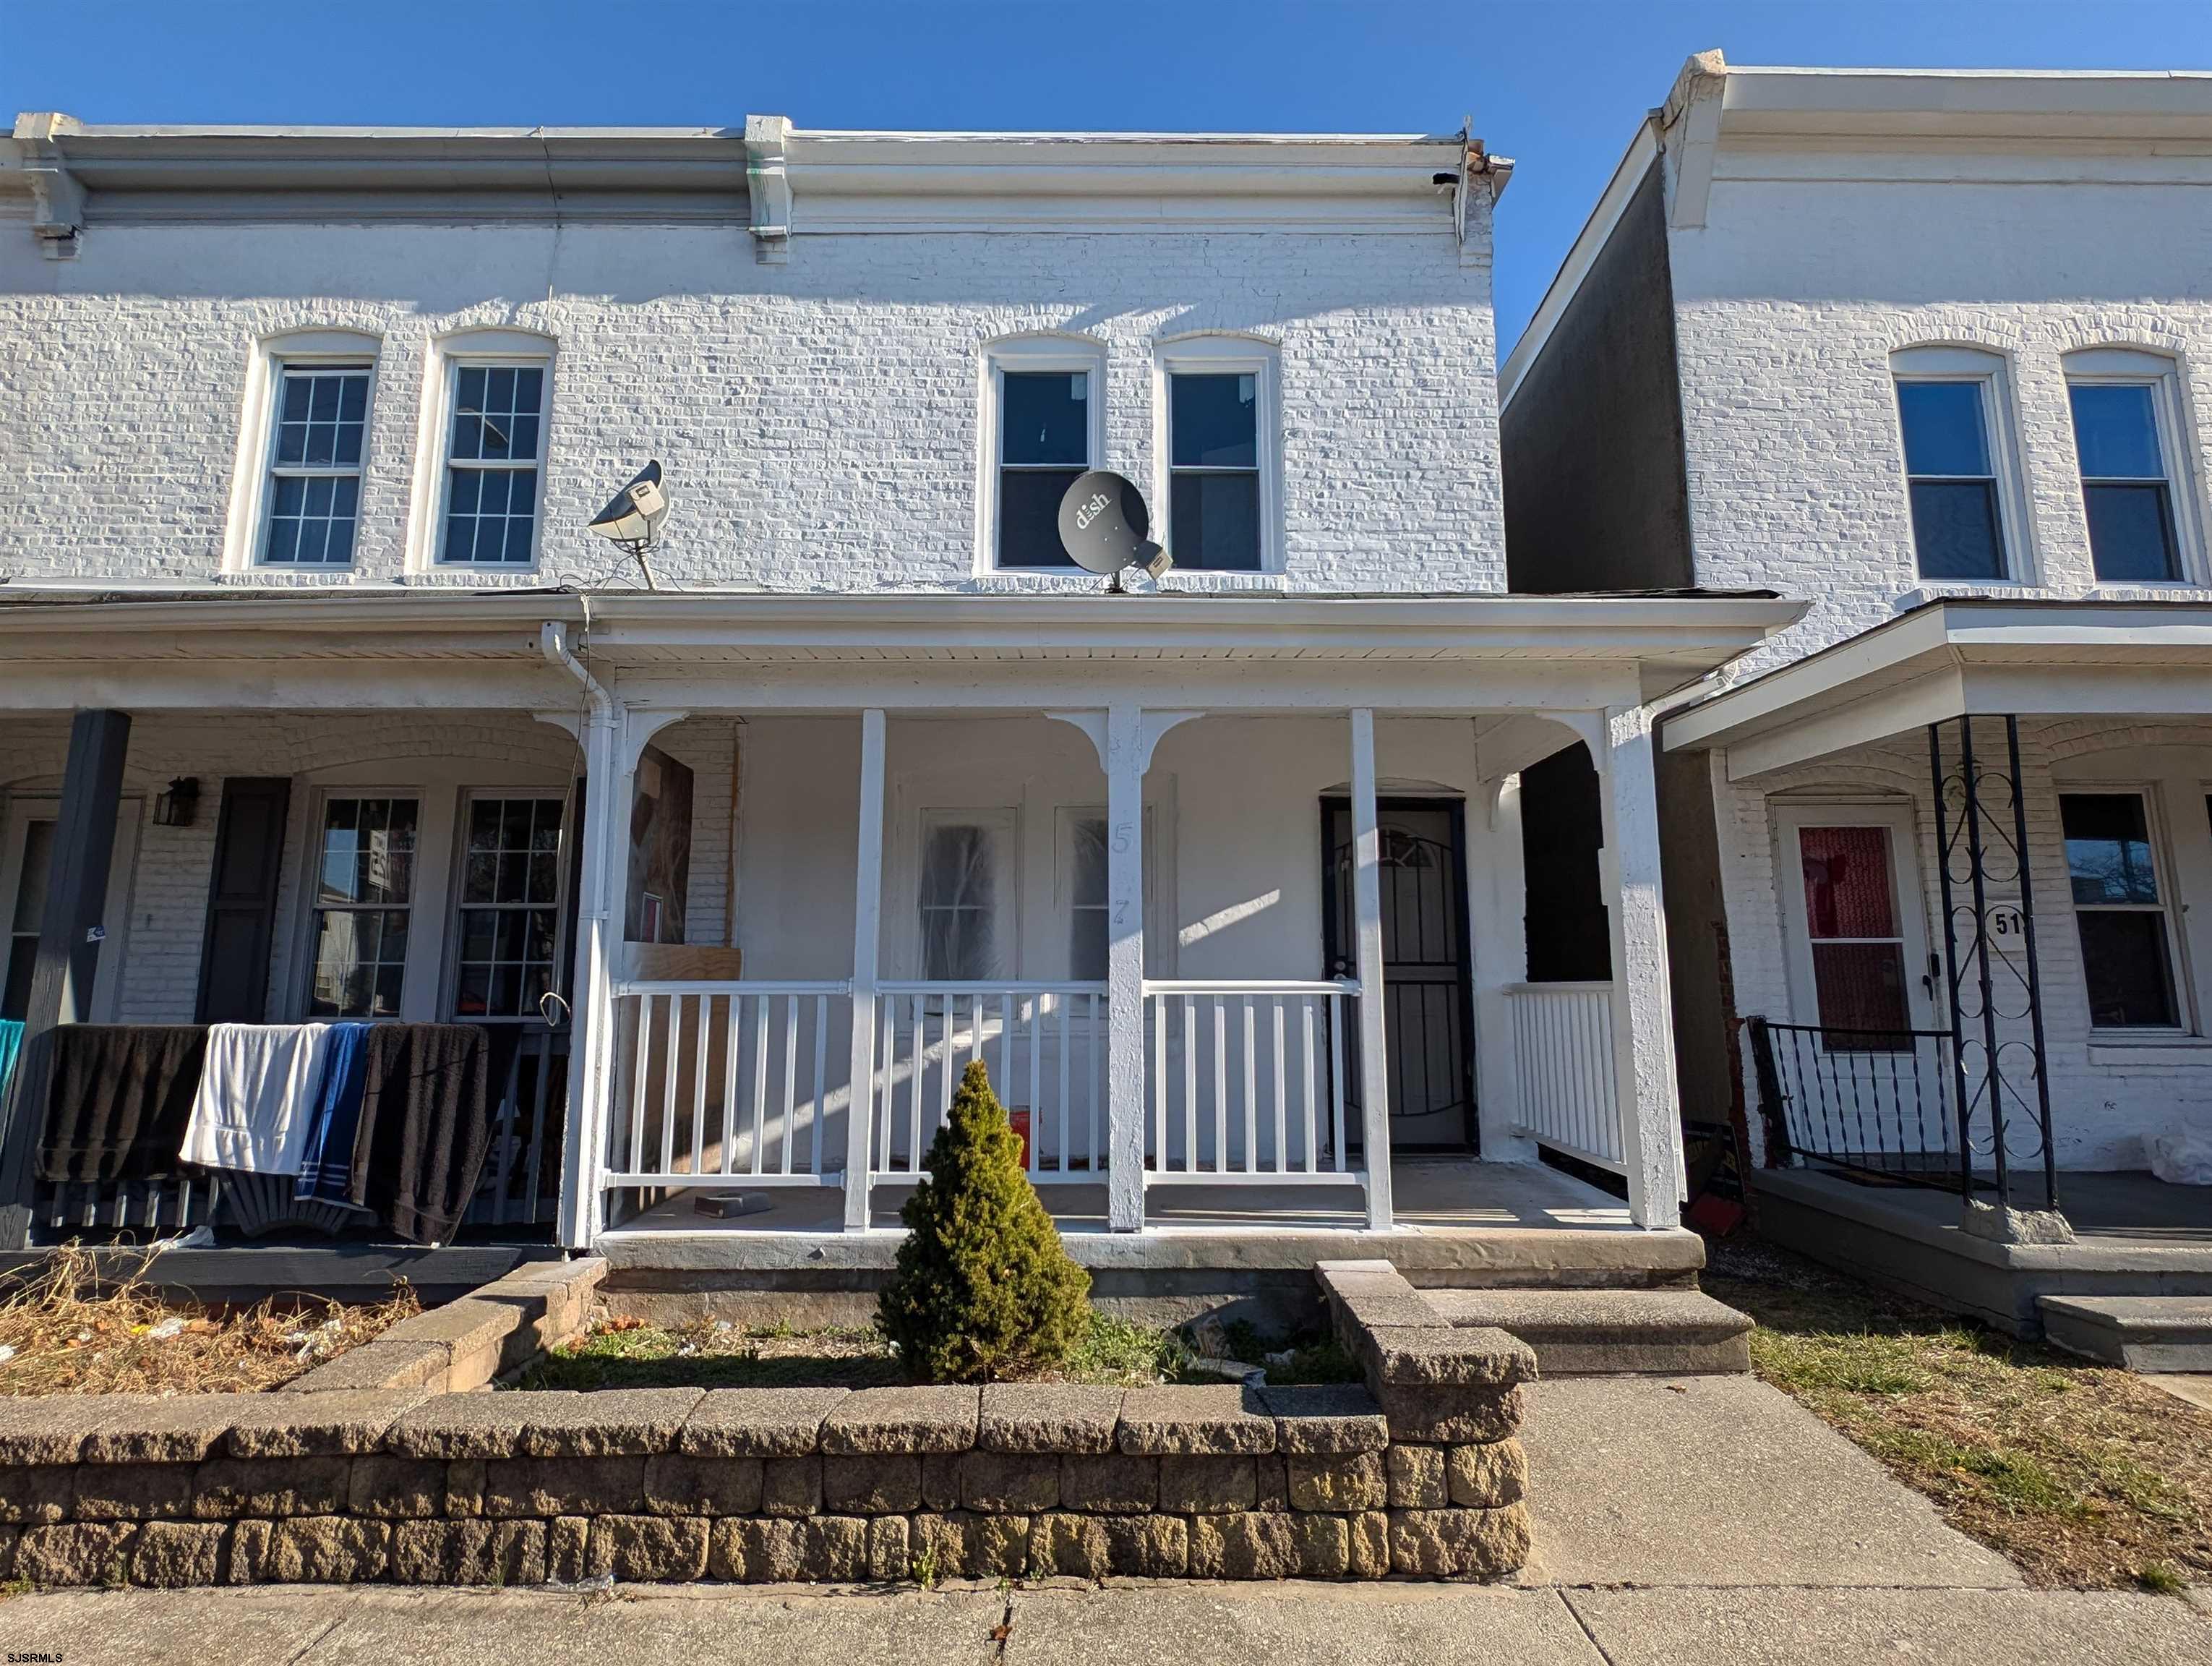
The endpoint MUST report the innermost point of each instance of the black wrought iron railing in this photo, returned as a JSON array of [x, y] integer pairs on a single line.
[[1877, 1101]]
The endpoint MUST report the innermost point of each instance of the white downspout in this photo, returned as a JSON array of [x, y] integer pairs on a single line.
[[581, 1201]]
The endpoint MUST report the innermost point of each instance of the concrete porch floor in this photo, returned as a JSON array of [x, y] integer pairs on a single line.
[[1459, 1222], [2134, 1236]]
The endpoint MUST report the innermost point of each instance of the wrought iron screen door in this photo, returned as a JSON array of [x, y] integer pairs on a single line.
[[1428, 1016]]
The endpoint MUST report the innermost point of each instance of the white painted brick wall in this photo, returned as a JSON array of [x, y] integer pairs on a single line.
[[818, 419], [1788, 303]]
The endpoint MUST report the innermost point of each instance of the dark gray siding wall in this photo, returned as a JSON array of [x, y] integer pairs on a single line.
[[1698, 975], [1595, 493]]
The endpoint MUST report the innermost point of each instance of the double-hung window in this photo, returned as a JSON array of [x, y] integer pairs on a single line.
[[966, 895], [314, 491], [2123, 432], [495, 455], [1046, 426], [1214, 469], [1951, 472], [2120, 910], [364, 901], [509, 906]]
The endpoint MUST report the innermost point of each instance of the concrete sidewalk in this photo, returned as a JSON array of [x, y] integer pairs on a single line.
[[1706, 1519]]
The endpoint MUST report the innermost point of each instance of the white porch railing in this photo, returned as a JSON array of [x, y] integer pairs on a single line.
[[1562, 1058], [1244, 1082], [1044, 1045], [734, 1083]]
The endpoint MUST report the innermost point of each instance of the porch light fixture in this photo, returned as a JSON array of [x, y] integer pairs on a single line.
[[632, 521], [177, 806]]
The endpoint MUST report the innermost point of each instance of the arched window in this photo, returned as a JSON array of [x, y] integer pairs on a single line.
[[1043, 423], [1968, 522], [2128, 442], [491, 399], [306, 446]]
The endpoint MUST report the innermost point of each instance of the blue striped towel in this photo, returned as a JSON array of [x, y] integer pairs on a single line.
[[327, 1163]]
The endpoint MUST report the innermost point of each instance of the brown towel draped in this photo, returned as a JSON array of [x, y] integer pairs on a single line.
[[425, 1127], [118, 1099]]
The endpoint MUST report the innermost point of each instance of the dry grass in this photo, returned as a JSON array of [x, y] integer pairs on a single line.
[[71, 1330], [2084, 1476]]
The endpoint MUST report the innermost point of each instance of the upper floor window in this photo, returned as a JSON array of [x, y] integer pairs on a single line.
[[1044, 427], [2126, 418], [493, 457], [1947, 410], [1221, 454], [312, 494]]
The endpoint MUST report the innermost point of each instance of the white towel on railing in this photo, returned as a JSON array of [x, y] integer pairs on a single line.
[[256, 1090]]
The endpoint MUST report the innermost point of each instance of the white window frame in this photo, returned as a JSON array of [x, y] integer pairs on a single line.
[[246, 533], [449, 356], [427, 902], [1215, 354], [453, 906], [2130, 366], [1986, 369], [1791, 820], [1158, 939], [1005, 885], [1044, 355], [2170, 905]]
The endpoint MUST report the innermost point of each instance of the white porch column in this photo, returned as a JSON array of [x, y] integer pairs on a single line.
[[1643, 1009], [1125, 754], [591, 1079], [1367, 907], [868, 935], [1497, 889]]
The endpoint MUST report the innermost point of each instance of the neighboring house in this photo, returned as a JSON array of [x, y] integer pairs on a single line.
[[1223, 882], [1930, 350]]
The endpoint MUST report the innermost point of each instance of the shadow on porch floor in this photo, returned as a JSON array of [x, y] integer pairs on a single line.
[[1434, 1194]]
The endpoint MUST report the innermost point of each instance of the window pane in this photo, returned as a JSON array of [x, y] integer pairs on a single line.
[[1029, 516], [2108, 852], [959, 871], [1955, 528], [1943, 428], [1216, 521], [2115, 432], [1847, 882], [1087, 861], [2131, 532], [2124, 959], [1086, 949], [1044, 417], [369, 850], [1860, 986], [1214, 420], [360, 964]]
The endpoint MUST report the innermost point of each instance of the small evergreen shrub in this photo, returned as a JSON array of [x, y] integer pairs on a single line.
[[984, 1289]]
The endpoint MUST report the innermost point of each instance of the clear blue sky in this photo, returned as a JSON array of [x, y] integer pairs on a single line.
[[1556, 84]]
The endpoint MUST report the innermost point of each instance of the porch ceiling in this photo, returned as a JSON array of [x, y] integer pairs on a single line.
[[1956, 658]]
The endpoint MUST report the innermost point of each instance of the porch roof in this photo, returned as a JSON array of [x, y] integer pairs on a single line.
[[1955, 657], [1667, 641]]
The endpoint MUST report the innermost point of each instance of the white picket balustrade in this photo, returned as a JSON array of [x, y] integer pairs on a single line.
[[1563, 1059], [1245, 1081]]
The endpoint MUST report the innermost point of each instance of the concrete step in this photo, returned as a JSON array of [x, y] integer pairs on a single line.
[[2143, 1332], [1598, 1333]]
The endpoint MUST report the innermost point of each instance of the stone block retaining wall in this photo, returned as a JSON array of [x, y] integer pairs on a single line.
[[1418, 1474]]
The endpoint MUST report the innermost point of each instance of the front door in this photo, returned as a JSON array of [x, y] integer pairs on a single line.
[[1427, 998]]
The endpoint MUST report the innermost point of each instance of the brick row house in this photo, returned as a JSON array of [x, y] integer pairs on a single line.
[[322, 703], [1927, 350]]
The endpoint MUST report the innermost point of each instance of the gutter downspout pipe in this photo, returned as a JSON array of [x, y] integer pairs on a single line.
[[582, 1203]]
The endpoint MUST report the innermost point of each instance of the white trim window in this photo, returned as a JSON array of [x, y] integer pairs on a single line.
[[318, 437], [1043, 425], [1851, 904], [494, 456], [1221, 451], [507, 909], [964, 895], [2127, 420], [363, 905], [1083, 882], [1950, 410], [2120, 911]]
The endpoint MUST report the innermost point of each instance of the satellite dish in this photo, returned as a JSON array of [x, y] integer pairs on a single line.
[[1103, 526], [633, 519]]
